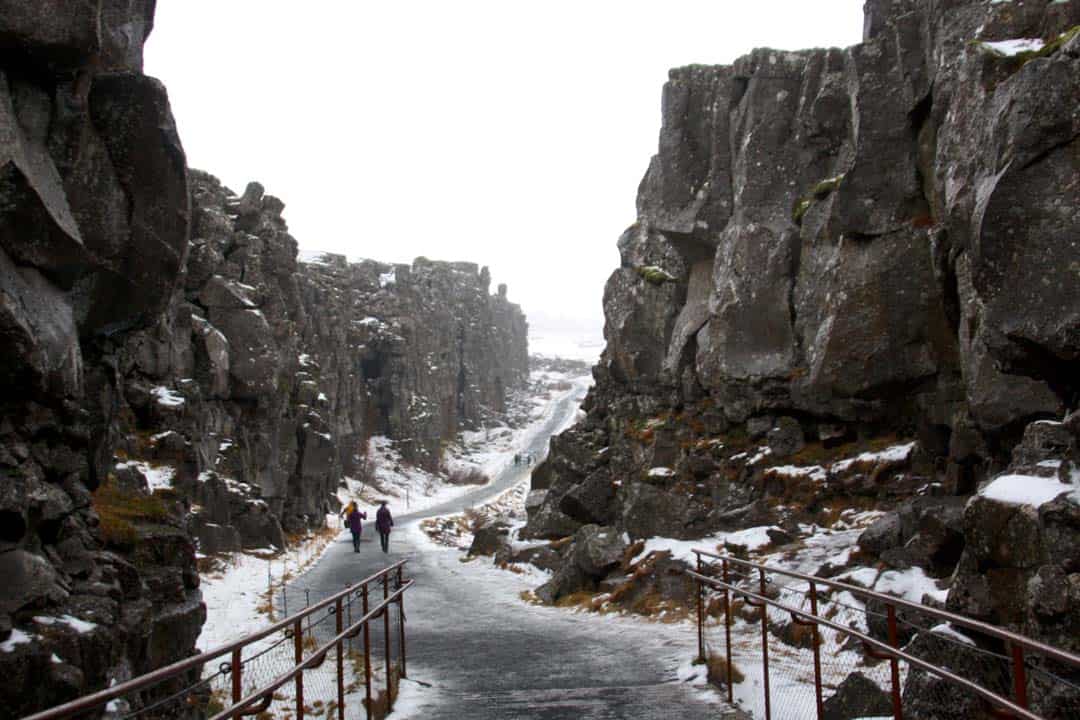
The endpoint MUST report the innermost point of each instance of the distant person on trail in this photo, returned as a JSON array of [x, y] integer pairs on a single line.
[[383, 523], [517, 459], [353, 521], [346, 512]]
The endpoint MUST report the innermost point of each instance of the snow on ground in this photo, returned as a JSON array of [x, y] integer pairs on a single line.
[[235, 592], [158, 477], [673, 645], [751, 539], [80, 626], [896, 453], [167, 397], [1014, 46], [489, 451], [17, 637], [1028, 490]]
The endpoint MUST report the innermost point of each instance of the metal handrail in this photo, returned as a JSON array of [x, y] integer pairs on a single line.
[[977, 625], [891, 651], [315, 659], [883, 648], [98, 699]]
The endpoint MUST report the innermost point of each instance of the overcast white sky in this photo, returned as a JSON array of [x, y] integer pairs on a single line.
[[511, 134]]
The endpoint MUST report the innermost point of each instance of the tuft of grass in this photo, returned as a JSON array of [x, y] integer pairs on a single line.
[[383, 702], [718, 671], [121, 511]]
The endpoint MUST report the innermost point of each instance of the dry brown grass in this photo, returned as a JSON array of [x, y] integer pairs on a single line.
[[718, 670], [121, 511], [815, 453], [383, 701]]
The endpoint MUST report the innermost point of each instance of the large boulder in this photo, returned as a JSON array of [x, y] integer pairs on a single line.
[[490, 540], [567, 580], [38, 331], [857, 697], [598, 549]]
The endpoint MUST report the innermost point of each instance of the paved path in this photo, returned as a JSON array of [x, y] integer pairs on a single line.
[[487, 654]]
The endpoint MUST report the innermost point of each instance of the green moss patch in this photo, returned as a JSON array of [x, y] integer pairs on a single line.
[[817, 193], [655, 275]]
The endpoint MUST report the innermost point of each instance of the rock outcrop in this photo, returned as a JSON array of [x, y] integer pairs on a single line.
[[266, 377], [94, 222], [173, 377], [837, 248]]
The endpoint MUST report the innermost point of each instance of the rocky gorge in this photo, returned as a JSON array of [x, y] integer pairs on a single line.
[[175, 379], [852, 285]]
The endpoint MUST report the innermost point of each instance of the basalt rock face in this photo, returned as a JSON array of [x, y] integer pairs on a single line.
[[271, 374], [174, 379], [417, 353], [94, 221], [835, 245]]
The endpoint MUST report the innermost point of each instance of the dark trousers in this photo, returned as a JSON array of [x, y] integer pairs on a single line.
[[384, 538], [356, 542]]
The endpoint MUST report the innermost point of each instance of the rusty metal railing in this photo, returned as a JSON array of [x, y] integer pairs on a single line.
[[1022, 655], [247, 696]]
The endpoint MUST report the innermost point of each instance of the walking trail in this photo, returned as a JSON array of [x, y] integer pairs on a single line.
[[486, 653]]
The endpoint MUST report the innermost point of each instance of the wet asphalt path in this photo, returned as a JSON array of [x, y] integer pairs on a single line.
[[487, 654]]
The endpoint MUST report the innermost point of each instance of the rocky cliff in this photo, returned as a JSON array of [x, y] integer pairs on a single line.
[[94, 221], [265, 378], [173, 377], [837, 250]]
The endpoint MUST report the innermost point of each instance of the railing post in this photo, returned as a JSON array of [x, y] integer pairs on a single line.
[[386, 631], [765, 645], [727, 633], [894, 664], [817, 651], [1019, 675], [237, 669], [298, 646], [348, 616], [401, 621], [339, 622], [367, 654], [700, 614]]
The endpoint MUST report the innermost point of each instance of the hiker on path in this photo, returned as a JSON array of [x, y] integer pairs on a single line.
[[353, 521], [383, 522], [346, 512]]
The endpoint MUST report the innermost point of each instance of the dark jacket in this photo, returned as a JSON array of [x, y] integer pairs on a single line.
[[354, 519], [383, 520]]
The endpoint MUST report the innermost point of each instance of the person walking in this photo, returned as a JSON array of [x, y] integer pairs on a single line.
[[353, 521], [383, 522], [347, 512]]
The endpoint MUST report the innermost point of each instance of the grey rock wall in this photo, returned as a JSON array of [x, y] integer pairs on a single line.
[[94, 222], [157, 327], [835, 246]]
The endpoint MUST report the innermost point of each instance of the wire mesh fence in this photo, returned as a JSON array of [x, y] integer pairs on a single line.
[[341, 650], [795, 646]]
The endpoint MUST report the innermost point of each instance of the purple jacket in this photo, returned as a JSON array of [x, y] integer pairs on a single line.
[[383, 520], [353, 521]]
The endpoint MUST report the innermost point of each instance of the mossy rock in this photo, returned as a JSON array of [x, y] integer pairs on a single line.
[[819, 192], [799, 210], [655, 275]]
